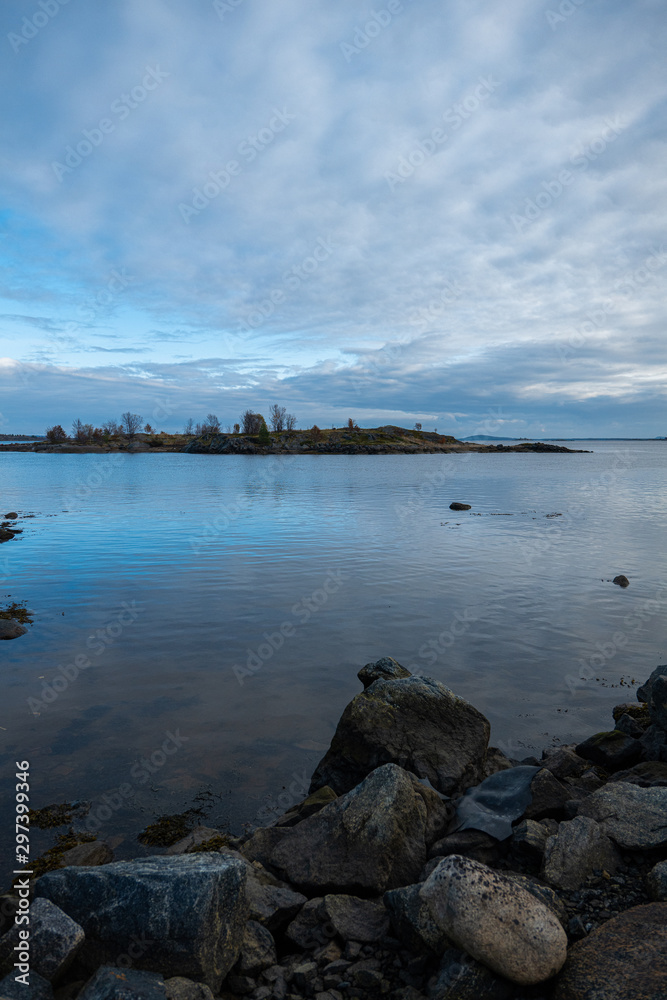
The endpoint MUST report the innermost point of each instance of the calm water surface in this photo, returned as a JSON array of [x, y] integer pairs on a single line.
[[230, 601]]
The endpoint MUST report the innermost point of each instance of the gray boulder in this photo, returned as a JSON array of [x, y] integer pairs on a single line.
[[496, 921], [178, 988], [37, 988], [273, 906], [635, 818], [258, 950], [656, 882], [177, 915], [412, 921], [415, 722], [644, 692], [461, 977], [657, 702], [579, 847], [613, 750], [55, 940], [355, 919], [385, 669], [529, 840], [548, 796], [111, 983], [366, 841], [11, 629]]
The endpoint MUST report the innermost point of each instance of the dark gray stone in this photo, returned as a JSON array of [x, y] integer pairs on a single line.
[[529, 839], [461, 977], [549, 796], [179, 988], [644, 692], [626, 724], [415, 722], [612, 750], [412, 921], [97, 852], [55, 940], [355, 919], [385, 669], [38, 988], [579, 847], [657, 702], [471, 843], [656, 882], [111, 983], [272, 906], [459, 506], [11, 629], [258, 950], [635, 818], [366, 841], [188, 913], [654, 744], [648, 774]]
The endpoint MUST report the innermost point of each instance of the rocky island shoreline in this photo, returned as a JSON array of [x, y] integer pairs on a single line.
[[422, 864]]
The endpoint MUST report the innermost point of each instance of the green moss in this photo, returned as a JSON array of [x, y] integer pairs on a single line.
[[54, 815], [213, 844]]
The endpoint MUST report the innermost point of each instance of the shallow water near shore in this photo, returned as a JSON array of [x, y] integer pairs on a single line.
[[223, 606]]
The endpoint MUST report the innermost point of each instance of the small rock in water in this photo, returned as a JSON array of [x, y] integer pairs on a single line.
[[11, 629], [459, 506], [621, 581]]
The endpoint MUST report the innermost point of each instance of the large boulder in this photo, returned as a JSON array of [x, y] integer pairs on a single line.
[[612, 750], [495, 920], [635, 818], [579, 847], [364, 842], [412, 921], [54, 941], [415, 722], [624, 959], [644, 692], [110, 983], [180, 915]]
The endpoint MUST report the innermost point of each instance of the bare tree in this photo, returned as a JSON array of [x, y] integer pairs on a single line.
[[130, 422], [277, 416], [290, 422], [82, 433], [252, 422], [111, 428], [189, 427], [418, 427], [212, 424], [148, 429]]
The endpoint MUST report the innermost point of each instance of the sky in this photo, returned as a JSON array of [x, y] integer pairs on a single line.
[[451, 213]]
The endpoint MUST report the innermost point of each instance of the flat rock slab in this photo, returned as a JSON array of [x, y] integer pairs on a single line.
[[634, 817], [495, 920], [415, 722], [54, 940], [111, 983], [364, 842], [180, 915], [625, 959]]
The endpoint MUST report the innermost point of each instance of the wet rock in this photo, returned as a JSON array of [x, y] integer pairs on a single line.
[[37, 989], [621, 581], [111, 983], [473, 844], [644, 692], [11, 629], [412, 920], [308, 807], [307, 931], [263, 842], [179, 988], [656, 882], [579, 847], [97, 852], [12, 516], [624, 959], [385, 669], [638, 711], [563, 762], [548, 796], [493, 805], [635, 818], [367, 841], [258, 950], [657, 702], [648, 774], [459, 506], [626, 724], [55, 940], [461, 977], [415, 722], [612, 750], [494, 920], [189, 912], [654, 743]]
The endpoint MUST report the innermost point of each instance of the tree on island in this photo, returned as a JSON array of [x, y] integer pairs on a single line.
[[252, 422], [130, 423], [264, 437], [55, 435], [277, 416]]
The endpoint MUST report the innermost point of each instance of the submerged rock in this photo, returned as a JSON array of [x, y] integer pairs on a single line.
[[11, 629], [496, 921], [621, 581], [415, 722]]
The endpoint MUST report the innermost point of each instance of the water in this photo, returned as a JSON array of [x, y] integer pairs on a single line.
[[230, 601]]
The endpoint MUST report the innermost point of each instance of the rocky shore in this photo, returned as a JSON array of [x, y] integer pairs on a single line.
[[422, 864]]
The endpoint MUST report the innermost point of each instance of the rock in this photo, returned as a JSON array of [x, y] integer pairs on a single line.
[[621, 581], [54, 941], [367, 841], [548, 796], [647, 774], [542, 892], [272, 906], [412, 920], [199, 835], [385, 669], [189, 912], [624, 959], [612, 750], [563, 763], [355, 919], [258, 950], [11, 629], [471, 843], [635, 818], [304, 975], [637, 711], [657, 702], [306, 932], [494, 920], [461, 977], [493, 805], [529, 840], [263, 842], [111, 983], [459, 506], [415, 722], [626, 724], [38, 988], [654, 743], [306, 808], [656, 882], [241, 984], [6, 534], [179, 988], [495, 761], [11, 516], [644, 692], [579, 847], [97, 852]]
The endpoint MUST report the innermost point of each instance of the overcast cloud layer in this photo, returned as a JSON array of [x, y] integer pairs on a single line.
[[446, 212]]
